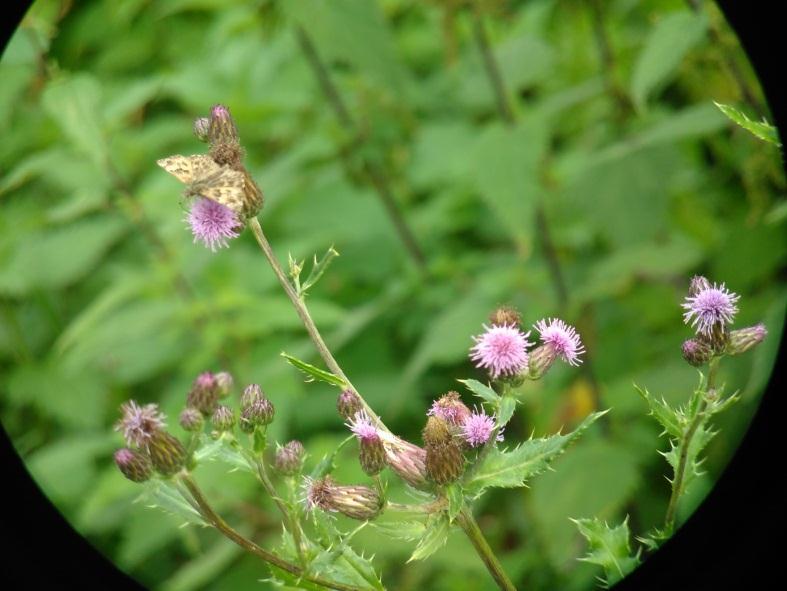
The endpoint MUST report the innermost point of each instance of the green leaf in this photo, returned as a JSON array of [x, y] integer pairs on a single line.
[[761, 129], [165, 495], [318, 268], [669, 42], [328, 463], [315, 373], [668, 418], [225, 449], [437, 529], [482, 391], [401, 530], [455, 497], [608, 547], [506, 410], [509, 469]]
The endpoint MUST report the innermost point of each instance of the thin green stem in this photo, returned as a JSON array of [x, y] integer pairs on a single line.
[[216, 521], [468, 523], [680, 472]]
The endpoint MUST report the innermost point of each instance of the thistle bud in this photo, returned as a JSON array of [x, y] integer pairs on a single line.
[[505, 315], [371, 450], [697, 284], [133, 464], [348, 403], [437, 431], [407, 460], [746, 338], [260, 413], [450, 408], [166, 452], [204, 394], [444, 460], [223, 418], [191, 419], [251, 394], [201, 125], [696, 352], [719, 338], [356, 502], [289, 459], [224, 383], [541, 359], [221, 127]]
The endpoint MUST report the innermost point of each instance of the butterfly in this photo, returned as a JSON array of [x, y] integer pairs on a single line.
[[203, 177]]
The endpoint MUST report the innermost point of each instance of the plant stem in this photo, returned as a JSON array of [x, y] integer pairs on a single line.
[[373, 172], [468, 523], [295, 527], [216, 521], [680, 472]]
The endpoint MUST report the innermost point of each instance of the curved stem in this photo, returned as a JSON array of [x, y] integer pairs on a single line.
[[216, 521], [295, 527], [468, 523]]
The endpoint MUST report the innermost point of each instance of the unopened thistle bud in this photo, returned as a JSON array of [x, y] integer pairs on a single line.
[[407, 460], [201, 126], [260, 413], [356, 502], [450, 408], [371, 450], [251, 394], [444, 460], [348, 403], [744, 339], [221, 127], [167, 453], [541, 359], [505, 315], [191, 419], [133, 464], [289, 459], [696, 352], [204, 394], [224, 383], [223, 418]]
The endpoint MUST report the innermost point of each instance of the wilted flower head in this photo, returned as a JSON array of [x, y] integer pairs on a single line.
[[712, 305], [502, 350], [478, 428], [505, 315], [563, 338], [139, 423], [407, 460], [356, 502], [212, 223], [318, 492], [450, 408], [744, 339]]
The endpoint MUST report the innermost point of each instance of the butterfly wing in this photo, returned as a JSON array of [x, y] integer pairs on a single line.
[[226, 186], [189, 169]]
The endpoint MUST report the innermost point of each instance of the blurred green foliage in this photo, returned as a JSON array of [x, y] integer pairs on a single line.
[[642, 181]]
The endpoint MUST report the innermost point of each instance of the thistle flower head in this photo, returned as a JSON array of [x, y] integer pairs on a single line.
[[203, 394], [478, 428], [407, 460], [348, 403], [371, 451], [221, 127], [318, 493], [223, 418], [166, 452], [139, 423], [450, 408], [356, 502], [562, 337], [362, 427], [133, 464], [289, 458], [746, 338], [505, 315], [251, 394], [712, 305], [501, 349], [212, 223], [201, 126], [191, 419], [696, 352], [258, 414], [224, 383]]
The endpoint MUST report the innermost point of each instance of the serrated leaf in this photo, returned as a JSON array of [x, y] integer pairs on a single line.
[[506, 410], [164, 495], [667, 417], [437, 529], [512, 468], [328, 463], [608, 547], [315, 373], [401, 530], [482, 391], [455, 497], [761, 129], [225, 449], [318, 268], [653, 539]]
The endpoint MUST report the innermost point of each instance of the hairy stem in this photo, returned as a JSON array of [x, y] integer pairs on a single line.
[[468, 523], [294, 526], [680, 472], [216, 521], [374, 174]]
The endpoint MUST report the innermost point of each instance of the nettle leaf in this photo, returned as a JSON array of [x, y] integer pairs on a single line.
[[608, 547], [437, 528], [163, 494], [512, 468], [761, 129], [482, 391], [401, 530], [455, 497], [506, 410], [225, 449], [315, 373], [670, 419]]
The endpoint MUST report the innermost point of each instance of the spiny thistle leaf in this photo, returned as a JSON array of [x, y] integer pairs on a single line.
[[328, 463], [670, 419], [506, 410], [401, 530], [342, 564], [225, 449], [513, 468], [655, 538], [318, 268], [165, 495], [482, 391], [315, 373], [455, 496], [434, 538], [608, 547], [761, 129]]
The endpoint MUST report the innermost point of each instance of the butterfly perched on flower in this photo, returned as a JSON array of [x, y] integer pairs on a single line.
[[204, 177]]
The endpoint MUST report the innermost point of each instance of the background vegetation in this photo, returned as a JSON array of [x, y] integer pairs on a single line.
[[608, 138]]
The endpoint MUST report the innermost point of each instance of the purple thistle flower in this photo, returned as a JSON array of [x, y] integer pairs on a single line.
[[449, 407], [710, 306], [478, 427], [562, 337], [362, 427], [212, 223], [139, 423], [502, 349]]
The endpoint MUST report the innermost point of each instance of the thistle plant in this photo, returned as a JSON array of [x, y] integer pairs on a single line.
[[461, 456], [710, 309]]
